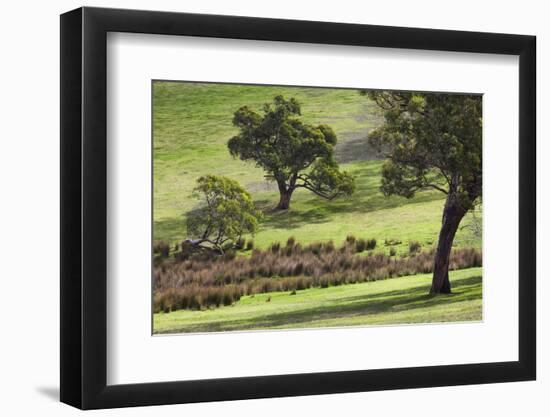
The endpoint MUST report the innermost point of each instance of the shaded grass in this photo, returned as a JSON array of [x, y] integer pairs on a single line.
[[394, 301]]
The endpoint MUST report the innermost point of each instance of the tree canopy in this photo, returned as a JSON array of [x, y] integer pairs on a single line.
[[293, 153], [225, 214], [432, 140]]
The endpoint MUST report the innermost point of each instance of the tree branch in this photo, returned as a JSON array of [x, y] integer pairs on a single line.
[[436, 187], [309, 186]]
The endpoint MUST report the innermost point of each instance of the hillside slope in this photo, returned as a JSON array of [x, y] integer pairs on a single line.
[[191, 126]]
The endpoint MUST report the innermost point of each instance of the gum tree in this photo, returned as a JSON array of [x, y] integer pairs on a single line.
[[432, 141], [292, 153], [225, 214]]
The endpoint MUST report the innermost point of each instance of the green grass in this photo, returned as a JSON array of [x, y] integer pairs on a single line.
[[393, 301], [191, 126]]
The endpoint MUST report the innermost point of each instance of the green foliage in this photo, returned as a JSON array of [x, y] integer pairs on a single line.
[[326, 180], [430, 141], [292, 153], [226, 214], [239, 243]]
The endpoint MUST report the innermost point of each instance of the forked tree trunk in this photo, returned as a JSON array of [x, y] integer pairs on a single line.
[[285, 192], [284, 200], [452, 215]]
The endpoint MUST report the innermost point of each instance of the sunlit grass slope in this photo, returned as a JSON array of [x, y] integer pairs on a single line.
[[191, 126]]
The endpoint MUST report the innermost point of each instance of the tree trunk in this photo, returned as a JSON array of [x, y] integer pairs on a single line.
[[284, 200], [452, 215], [285, 192]]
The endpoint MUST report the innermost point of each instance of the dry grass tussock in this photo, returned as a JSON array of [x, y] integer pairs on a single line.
[[201, 281]]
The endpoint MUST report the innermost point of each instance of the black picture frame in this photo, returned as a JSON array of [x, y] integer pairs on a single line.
[[84, 207]]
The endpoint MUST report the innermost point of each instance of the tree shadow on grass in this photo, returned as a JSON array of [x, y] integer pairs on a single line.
[[171, 229], [355, 148], [291, 219], [459, 289], [326, 211], [390, 301]]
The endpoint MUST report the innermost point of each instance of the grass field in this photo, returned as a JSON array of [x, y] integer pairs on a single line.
[[392, 301], [192, 124]]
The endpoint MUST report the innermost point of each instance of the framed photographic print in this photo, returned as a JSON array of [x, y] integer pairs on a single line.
[[258, 207]]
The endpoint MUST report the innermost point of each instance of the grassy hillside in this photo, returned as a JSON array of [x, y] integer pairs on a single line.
[[192, 123], [393, 301]]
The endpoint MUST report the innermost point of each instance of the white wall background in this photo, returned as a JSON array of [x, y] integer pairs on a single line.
[[29, 225]]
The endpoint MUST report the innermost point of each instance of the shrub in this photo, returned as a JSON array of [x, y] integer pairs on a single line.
[[288, 250], [393, 252], [161, 248], [250, 245], [293, 292], [314, 248], [371, 244], [291, 241], [414, 246], [186, 250], [350, 239], [300, 284], [328, 247], [275, 247], [239, 243], [360, 245], [229, 255], [213, 298], [227, 298]]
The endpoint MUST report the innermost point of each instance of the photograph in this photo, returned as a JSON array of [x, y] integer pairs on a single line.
[[285, 207]]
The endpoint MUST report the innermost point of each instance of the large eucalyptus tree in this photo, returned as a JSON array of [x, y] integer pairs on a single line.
[[432, 141], [292, 153]]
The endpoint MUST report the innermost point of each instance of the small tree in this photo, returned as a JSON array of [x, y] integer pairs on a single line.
[[294, 154], [432, 141], [226, 214]]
